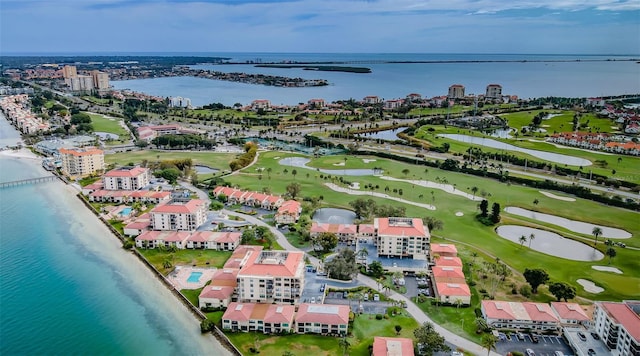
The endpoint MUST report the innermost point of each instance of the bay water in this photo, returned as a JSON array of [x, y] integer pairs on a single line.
[[67, 286], [527, 76]]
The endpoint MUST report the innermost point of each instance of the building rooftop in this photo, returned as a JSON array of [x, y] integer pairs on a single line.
[[624, 314], [392, 346], [395, 226], [323, 313]]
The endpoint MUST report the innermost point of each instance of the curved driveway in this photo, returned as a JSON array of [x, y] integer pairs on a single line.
[[412, 309]]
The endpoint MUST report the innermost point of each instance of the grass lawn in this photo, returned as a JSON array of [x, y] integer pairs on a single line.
[[110, 125], [201, 258], [192, 295], [296, 240], [465, 228], [365, 327], [210, 159]]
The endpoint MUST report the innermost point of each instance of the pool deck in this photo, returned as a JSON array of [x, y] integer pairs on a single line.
[[180, 276]]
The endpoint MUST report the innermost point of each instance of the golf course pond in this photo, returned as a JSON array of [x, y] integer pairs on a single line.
[[334, 216], [550, 243], [547, 156], [388, 135], [302, 163], [571, 225]]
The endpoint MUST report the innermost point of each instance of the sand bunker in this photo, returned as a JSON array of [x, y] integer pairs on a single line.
[[365, 160], [276, 157], [355, 185], [459, 213], [339, 164], [448, 188], [559, 197], [607, 269], [590, 286]]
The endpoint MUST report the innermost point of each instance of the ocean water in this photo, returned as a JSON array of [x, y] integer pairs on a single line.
[[67, 287], [525, 78]]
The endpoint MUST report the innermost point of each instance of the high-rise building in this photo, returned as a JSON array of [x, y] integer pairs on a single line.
[[618, 324], [80, 83], [456, 91], [81, 162], [69, 72], [271, 276], [179, 216], [100, 80], [401, 237], [494, 91]]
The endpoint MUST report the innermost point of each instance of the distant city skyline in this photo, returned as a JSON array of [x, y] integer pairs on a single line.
[[341, 26]]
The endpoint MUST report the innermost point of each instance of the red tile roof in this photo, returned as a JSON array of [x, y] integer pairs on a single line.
[[133, 172], [392, 346], [570, 311], [447, 272], [624, 316], [540, 312], [190, 207], [239, 311], [217, 292], [81, 151], [442, 249], [286, 263], [280, 313], [453, 289], [447, 261], [400, 227], [330, 314]]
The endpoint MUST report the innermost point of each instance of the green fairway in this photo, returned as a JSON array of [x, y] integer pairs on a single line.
[[561, 121], [210, 159], [110, 125], [465, 228]]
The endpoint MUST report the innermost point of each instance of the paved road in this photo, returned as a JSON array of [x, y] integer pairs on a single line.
[[412, 309]]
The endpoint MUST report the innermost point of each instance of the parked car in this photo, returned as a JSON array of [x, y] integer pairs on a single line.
[[595, 336], [558, 353], [530, 352], [366, 297], [520, 336], [376, 297], [313, 300], [582, 336], [534, 338], [591, 352], [345, 295]]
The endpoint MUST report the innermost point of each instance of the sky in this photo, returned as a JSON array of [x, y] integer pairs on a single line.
[[312, 26]]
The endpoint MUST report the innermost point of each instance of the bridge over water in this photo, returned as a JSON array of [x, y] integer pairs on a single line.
[[37, 180]]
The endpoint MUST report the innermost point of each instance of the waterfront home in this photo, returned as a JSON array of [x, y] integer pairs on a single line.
[[179, 215], [219, 292], [240, 254], [126, 178], [494, 91], [288, 212], [401, 237], [148, 133], [322, 319], [519, 316], [570, 314], [392, 346], [271, 277], [260, 104], [128, 196], [16, 109], [138, 226], [211, 240], [266, 318], [156, 238], [344, 232], [371, 100], [456, 91]]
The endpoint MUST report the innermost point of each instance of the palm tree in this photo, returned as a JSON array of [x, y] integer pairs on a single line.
[[596, 232], [611, 252], [522, 240], [294, 172], [474, 190], [344, 345], [531, 238], [489, 342], [269, 172]]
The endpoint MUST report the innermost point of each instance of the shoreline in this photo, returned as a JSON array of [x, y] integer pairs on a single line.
[[140, 286]]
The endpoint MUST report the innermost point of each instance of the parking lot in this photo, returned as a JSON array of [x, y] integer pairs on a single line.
[[414, 288], [312, 285], [546, 345], [365, 307]]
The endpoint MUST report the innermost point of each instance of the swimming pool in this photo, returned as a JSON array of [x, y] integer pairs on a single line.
[[194, 277], [125, 212]]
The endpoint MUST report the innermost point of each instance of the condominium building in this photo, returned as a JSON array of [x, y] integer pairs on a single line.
[[494, 91], [126, 178], [81, 162], [519, 316], [177, 215], [69, 72], [456, 91], [401, 237], [322, 319], [618, 324], [100, 80], [271, 276], [570, 314], [266, 318], [80, 83]]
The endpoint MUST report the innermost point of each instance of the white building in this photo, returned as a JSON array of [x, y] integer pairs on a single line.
[[618, 324], [179, 102], [126, 178], [401, 237], [179, 216], [494, 91], [271, 276], [81, 162]]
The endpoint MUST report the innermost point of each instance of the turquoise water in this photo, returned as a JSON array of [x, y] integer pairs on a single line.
[[194, 277], [125, 212], [67, 291]]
